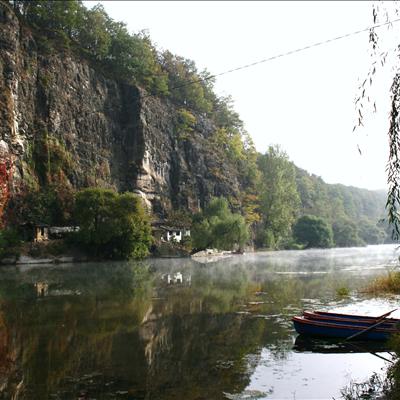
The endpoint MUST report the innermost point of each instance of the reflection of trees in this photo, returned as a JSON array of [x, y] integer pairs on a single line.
[[119, 327], [58, 336], [200, 355], [114, 332]]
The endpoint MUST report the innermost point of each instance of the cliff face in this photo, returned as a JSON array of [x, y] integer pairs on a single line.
[[62, 120]]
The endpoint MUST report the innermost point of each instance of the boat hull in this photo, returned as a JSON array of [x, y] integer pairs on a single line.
[[348, 319], [310, 327], [328, 314]]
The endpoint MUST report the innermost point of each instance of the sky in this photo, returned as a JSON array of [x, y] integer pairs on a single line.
[[303, 102]]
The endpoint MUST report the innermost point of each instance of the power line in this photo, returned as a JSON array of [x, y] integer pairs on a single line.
[[280, 55], [288, 53]]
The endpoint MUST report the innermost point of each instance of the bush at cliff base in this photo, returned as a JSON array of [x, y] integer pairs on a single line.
[[112, 225], [9, 243]]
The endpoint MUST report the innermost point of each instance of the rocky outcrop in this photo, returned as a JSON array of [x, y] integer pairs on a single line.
[[62, 119]]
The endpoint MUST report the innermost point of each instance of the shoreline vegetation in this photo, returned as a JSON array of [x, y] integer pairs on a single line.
[[386, 387], [384, 284], [105, 225], [59, 251]]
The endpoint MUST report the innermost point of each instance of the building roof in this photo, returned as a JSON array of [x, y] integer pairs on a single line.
[[172, 228], [164, 225]]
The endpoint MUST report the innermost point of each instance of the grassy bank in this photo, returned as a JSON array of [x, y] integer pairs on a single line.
[[380, 387], [385, 284]]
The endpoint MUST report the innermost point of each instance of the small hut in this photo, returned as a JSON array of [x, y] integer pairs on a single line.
[[41, 233], [169, 233]]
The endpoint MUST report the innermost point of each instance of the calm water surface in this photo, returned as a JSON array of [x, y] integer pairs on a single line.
[[121, 331]]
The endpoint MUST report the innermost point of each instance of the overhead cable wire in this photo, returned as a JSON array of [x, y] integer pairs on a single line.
[[274, 57], [284, 54]]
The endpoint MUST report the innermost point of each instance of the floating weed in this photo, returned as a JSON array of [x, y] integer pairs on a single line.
[[224, 364], [342, 291], [247, 395]]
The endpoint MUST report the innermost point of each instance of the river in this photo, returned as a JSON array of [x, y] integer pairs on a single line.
[[222, 330]]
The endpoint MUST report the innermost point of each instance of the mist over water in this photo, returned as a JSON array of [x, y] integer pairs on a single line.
[[181, 329]]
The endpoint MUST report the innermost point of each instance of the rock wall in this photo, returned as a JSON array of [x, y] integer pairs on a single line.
[[63, 120]]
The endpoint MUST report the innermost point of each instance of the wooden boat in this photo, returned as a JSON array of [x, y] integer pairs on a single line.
[[349, 319], [343, 329], [327, 315]]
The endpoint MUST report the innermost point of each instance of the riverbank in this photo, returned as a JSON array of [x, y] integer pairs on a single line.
[[385, 284], [57, 252], [46, 252]]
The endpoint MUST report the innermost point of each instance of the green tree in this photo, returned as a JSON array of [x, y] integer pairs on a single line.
[[186, 122], [135, 59], [56, 17], [94, 35], [112, 225], [9, 242], [181, 72], [313, 232], [279, 197], [345, 234], [370, 233], [52, 205], [218, 227], [179, 218], [353, 212]]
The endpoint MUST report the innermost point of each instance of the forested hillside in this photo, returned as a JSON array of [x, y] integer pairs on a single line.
[[356, 215], [85, 103]]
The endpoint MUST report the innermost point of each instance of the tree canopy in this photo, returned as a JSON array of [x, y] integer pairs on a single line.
[[218, 227], [279, 199], [112, 225], [313, 232]]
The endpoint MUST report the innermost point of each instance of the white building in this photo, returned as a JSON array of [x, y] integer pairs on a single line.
[[176, 234]]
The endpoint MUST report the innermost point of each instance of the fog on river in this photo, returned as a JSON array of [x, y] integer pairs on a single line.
[[182, 329]]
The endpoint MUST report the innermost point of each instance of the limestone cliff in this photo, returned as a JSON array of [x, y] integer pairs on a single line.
[[61, 117]]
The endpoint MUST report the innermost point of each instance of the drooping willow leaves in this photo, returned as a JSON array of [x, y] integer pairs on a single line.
[[393, 165], [379, 55]]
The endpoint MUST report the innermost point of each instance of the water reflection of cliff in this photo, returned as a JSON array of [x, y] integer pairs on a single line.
[[120, 331], [99, 333]]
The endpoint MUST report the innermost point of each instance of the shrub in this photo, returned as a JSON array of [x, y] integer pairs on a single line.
[[313, 232], [342, 291], [218, 227], [9, 243], [112, 225], [389, 283]]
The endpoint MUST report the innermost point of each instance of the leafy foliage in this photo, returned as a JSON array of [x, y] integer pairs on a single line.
[[218, 227], [371, 233], [52, 205], [345, 234], [112, 225], [9, 243], [279, 197], [385, 55], [313, 232], [186, 84], [186, 123], [393, 167], [179, 218], [50, 158], [340, 205]]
